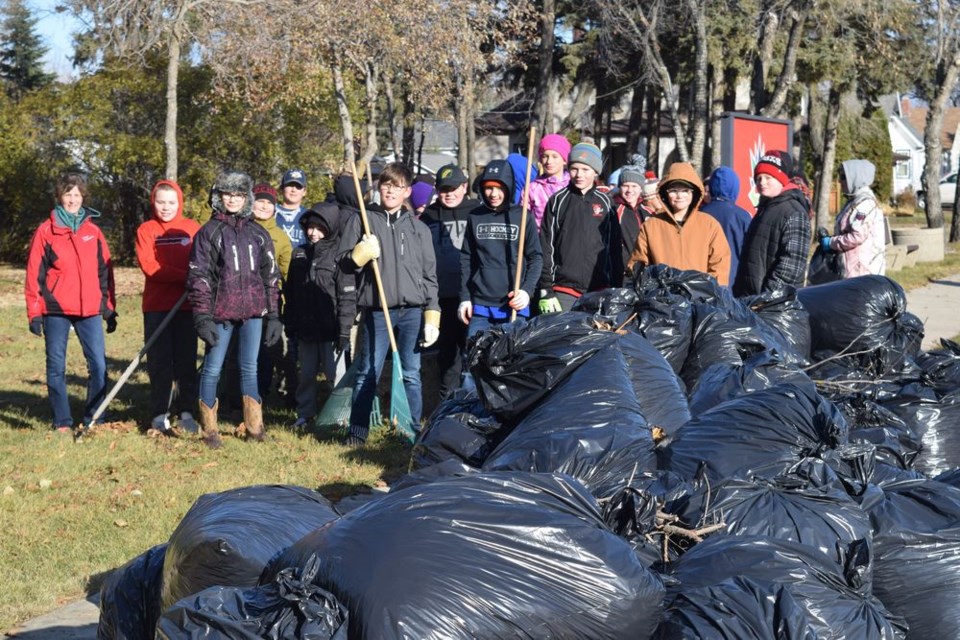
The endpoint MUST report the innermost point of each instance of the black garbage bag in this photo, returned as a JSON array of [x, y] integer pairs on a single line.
[[788, 507], [825, 266], [665, 283], [951, 478], [761, 434], [130, 598], [226, 539], [486, 556], [736, 608], [516, 365], [836, 598], [941, 368], [460, 429], [661, 393], [917, 555], [722, 382], [865, 317], [782, 310], [632, 514], [668, 326], [895, 442], [289, 608], [615, 305], [589, 427]]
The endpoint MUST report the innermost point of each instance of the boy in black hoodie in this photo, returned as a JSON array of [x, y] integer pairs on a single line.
[[488, 259], [317, 297], [447, 220]]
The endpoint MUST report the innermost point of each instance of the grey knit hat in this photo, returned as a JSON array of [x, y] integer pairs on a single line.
[[632, 173], [232, 182]]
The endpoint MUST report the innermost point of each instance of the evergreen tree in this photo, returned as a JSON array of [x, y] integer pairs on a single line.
[[21, 51]]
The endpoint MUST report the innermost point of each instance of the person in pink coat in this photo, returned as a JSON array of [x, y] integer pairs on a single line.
[[554, 151], [859, 233]]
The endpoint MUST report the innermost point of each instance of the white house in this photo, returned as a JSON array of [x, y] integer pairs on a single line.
[[905, 124]]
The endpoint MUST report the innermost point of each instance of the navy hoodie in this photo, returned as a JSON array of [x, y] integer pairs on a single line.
[[488, 259], [724, 188]]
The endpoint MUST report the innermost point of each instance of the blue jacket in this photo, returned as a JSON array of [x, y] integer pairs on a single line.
[[724, 188]]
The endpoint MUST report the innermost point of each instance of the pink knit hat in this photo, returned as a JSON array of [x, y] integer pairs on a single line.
[[555, 142]]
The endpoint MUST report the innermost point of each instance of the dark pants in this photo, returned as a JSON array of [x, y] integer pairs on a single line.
[[171, 363], [451, 346]]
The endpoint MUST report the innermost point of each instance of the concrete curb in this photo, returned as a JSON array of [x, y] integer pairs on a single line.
[[938, 306], [74, 621]]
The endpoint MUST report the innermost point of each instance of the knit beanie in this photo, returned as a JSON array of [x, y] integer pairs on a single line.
[[650, 184], [777, 164], [421, 194], [588, 154], [631, 173], [555, 142], [264, 191]]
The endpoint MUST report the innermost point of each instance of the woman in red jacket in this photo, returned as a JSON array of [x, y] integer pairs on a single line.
[[70, 284]]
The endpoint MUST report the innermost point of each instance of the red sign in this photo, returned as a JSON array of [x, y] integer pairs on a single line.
[[744, 139]]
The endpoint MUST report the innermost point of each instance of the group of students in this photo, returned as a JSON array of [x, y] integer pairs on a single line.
[[260, 272]]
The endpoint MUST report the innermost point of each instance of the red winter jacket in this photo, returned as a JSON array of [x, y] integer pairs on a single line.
[[163, 251], [69, 274]]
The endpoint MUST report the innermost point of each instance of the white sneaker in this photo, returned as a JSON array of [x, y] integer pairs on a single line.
[[160, 423], [187, 423]]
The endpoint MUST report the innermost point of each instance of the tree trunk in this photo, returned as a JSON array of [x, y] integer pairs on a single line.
[[789, 71], [825, 183], [653, 132], [543, 107], [462, 115], [636, 119], [947, 74], [423, 139], [717, 91], [370, 84], [816, 119], [170, 126], [343, 111], [471, 165], [758, 84], [392, 119], [409, 135], [698, 110], [954, 221]]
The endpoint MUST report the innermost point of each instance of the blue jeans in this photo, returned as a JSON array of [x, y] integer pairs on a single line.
[[89, 330], [376, 344], [249, 346]]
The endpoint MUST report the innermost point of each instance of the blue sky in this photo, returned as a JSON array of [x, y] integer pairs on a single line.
[[56, 29]]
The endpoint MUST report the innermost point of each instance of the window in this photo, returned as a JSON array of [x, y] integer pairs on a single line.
[[902, 166]]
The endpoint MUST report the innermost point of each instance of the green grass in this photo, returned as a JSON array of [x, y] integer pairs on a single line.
[[924, 272], [72, 512]]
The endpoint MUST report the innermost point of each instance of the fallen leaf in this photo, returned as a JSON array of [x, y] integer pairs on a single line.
[[113, 445], [210, 465], [8, 490], [46, 483], [120, 522], [136, 493]]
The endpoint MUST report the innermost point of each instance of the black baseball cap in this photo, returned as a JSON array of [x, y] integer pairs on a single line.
[[450, 176]]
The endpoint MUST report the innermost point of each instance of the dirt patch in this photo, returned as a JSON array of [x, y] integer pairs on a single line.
[[128, 281]]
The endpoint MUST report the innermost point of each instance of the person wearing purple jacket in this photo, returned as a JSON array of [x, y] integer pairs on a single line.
[[232, 285]]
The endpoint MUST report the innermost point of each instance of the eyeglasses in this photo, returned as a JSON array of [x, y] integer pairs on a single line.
[[229, 194], [679, 192], [392, 188]]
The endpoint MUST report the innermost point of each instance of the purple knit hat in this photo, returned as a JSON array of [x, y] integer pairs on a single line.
[[555, 142], [421, 193]]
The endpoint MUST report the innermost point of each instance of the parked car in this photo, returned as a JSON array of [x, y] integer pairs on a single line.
[[948, 192]]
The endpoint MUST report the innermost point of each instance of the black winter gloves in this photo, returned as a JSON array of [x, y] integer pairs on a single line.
[[206, 329], [111, 318], [36, 326], [273, 332]]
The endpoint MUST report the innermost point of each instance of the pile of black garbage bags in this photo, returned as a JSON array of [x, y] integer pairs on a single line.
[[665, 461]]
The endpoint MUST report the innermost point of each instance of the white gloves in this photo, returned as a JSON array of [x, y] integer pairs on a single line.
[[431, 327], [465, 311], [366, 250]]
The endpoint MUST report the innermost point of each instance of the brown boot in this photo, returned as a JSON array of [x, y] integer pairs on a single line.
[[253, 418], [210, 434]]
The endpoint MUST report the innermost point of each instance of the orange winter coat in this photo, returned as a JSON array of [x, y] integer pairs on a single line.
[[698, 243]]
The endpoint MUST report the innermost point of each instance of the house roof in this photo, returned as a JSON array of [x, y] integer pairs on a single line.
[[917, 118]]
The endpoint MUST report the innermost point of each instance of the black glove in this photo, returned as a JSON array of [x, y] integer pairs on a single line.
[[36, 326], [822, 233], [273, 333], [111, 318], [207, 330], [343, 344]]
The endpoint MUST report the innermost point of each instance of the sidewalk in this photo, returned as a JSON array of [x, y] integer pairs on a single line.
[[938, 306], [75, 621]]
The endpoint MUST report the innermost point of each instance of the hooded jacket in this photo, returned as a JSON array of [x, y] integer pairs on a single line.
[[318, 298], [407, 264], [447, 229], [695, 244], [233, 269], [488, 259], [69, 273], [163, 253], [281, 244], [540, 191], [776, 245], [580, 239], [859, 230], [734, 220]]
